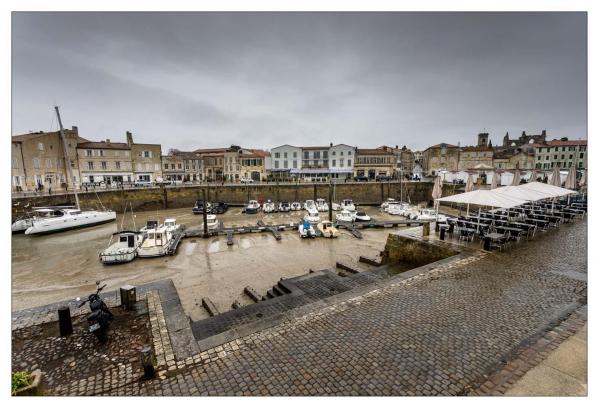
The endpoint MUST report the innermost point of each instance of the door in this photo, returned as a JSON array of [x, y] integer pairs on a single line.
[[130, 241]]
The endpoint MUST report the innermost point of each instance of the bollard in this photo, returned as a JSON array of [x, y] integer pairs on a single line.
[[128, 297], [426, 229], [64, 321], [487, 244], [442, 234], [436, 227], [147, 362]]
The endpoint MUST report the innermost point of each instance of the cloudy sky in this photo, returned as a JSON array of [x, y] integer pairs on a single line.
[[192, 80]]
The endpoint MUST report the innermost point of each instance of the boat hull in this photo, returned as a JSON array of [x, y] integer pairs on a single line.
[[152, 252], [42, 228], [109, 259]]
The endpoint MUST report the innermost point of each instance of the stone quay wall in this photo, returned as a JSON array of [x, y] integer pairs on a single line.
[[146, 199], [414, 251]]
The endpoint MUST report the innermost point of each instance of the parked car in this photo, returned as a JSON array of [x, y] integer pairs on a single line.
[[246, 180], [143, 183], [361, 178], [382, 178]]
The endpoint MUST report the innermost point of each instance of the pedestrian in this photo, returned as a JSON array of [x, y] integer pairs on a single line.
[[86, 188], [50, 190]]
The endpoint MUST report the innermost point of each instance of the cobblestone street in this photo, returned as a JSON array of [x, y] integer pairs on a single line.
[[439, 333]]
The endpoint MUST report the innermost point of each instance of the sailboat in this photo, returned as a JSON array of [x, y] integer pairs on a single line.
[[49, 220]]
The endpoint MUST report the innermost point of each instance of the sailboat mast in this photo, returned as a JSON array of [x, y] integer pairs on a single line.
[[67, 162]]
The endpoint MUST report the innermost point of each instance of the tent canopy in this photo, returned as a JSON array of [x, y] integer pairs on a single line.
[[524, 194], [488, 198], [549, 190]]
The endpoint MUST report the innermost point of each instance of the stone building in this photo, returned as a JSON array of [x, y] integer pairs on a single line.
[[193, 165], [232, 164], [213, 163], [253, 164], [523, 139], [146, 160], [442, 156], [38, 161], [475, 157], [173, 168], [404, 160], [511, 160], [105, 162], [561, 153], [374, 162]]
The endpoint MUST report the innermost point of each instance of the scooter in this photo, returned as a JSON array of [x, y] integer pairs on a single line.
[[100, 317]]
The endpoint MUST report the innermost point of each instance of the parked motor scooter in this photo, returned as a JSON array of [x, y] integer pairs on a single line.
[[100, 317]]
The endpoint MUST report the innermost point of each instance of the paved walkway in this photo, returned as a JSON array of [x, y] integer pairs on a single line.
[[438, 333], [563, 372]]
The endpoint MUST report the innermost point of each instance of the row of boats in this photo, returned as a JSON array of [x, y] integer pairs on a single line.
[[319, 205], [411, 212]]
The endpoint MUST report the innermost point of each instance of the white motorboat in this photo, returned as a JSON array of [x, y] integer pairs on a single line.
[[396, 208], [388, 202], [361, 216], [344, 216], [156, 242], [336, 206], [306, 230], [124, 249], [327, 229], [428, 214], [268, 207], [348, 204], [309, 204], [312, 216], [284, 206], [253, 207], [211, 222], [295, 206], [47, 220], [322, 205], [171, 225]]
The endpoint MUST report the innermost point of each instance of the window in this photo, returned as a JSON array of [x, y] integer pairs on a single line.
[[580, 165], [172, 166], [103, 165], [306, 155], [582, 155], [295, 155], [40, 147], [295, 164], [277, 155], [88, 153], [276, 164], [90, 165], [325, 154], [315, 163], [285, 155], [334, 162], [348, 162], [349, 153], [48, 163], [16, 180], [285, 164], [117, 165], [341, 153], [316, 155], [72, 164], [563, 156], [147, 154], [101, 152], [179, 166], [555, 157], [341, 162], [165, 166], [571, 157]]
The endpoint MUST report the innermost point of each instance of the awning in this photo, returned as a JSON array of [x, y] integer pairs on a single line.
[[547, 189], [487, 198]]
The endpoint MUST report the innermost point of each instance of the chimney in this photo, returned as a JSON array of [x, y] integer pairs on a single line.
[[331, 144], [129, 138], [397, 146], [75, 130], [544, 133], [108, 141]]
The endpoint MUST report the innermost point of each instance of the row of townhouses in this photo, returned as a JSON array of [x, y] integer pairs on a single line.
[[39, 161]]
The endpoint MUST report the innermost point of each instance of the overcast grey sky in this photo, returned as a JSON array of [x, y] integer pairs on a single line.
[[192, 80]]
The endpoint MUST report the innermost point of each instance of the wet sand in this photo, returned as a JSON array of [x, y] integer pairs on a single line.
[[54, 267]]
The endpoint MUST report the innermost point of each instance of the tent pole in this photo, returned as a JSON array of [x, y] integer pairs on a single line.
[[467, 209]]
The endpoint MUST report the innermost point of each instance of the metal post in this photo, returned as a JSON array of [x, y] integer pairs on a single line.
[[147, 362], [64, 321], [330, 202], [204, 213]]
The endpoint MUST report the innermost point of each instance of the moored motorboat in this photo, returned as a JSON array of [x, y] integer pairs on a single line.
[[348, 204], [211, 222], [312, 216], [198, 207], [268, 207], [171, 225], [344, 216], [336, 207], [309, 204], [21, 224], [253, 207], [284, 206], [295, 206], [48, 220], [321, 205], [327, 229], [388, 202], [306, 230], [156, 242], [429, 214], [124, 249], [361, 216]]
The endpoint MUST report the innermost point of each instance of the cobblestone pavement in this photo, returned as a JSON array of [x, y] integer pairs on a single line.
[[436, 333]]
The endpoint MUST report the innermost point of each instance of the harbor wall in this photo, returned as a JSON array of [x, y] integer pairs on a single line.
[[145, 199]]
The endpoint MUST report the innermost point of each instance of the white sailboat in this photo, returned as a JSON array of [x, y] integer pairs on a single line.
[[54, 220]]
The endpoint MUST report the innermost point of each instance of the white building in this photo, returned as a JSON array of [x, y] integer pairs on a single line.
[[285, 162], [341, 161]]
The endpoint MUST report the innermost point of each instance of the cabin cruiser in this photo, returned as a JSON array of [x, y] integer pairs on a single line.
[[345, 216], [308, 204], [312, 216], [284, 207], [321, 205], [428, 214], [211, 222], [397, 208], [124, 249], [327, 229], [362, 216], [295, 206], [253, 207], [156, 242], [198, 208], [306, 230], [46, 220], [268, 207], [388, 202], [348, 204], [171, 225]]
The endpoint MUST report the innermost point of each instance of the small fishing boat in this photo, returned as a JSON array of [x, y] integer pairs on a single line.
[[336, 207], [156, 242], [219, 208], [171, 225], [284, 207], [429, 214], [124, 249], [312, 216], [306, 230], [396, 208], [295, 206], [211, 222], [321, 205], [361, 216], [268, 207], [348, 204], [344, 216], [253, 207], [309, 204], [327, 229]]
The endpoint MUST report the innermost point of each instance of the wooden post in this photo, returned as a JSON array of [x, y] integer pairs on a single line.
[[204, 214], [64, 321], [330, 201]]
